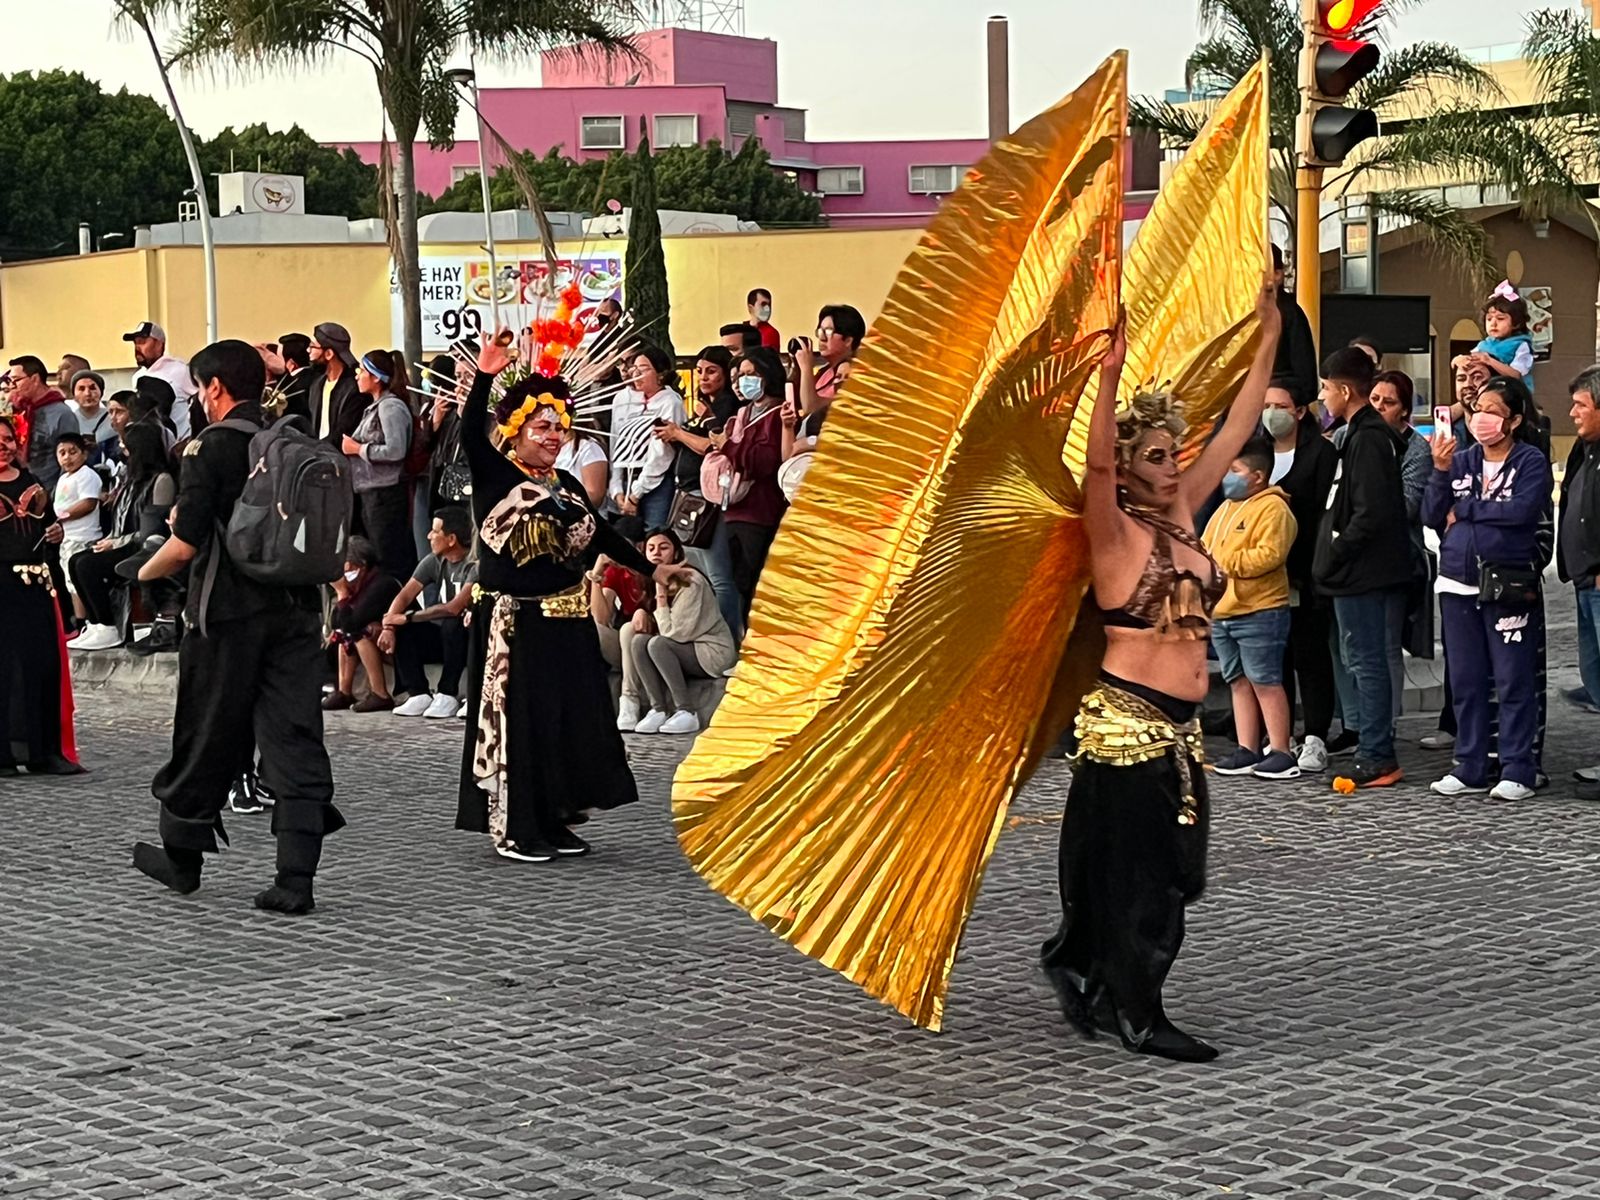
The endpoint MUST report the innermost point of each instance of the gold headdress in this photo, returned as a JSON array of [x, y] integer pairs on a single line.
[[1150, 410]]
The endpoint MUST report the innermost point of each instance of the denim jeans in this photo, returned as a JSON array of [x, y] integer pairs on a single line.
[[1589, 640], [1370, 628], [716, 560], [655, 506]]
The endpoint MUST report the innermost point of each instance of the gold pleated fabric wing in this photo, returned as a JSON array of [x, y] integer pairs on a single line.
[[1194, 270], [911, 617]]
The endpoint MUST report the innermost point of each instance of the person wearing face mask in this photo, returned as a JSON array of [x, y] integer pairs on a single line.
[[250, 670], [542, 745], [759, 305], [1363, 561], [1486, 502], [1249, 537], [1303, 463]]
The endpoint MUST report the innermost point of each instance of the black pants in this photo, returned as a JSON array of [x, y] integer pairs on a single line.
[[385, 517], [418, 643], [95, 577], [253, 678], [748, 544], [1308, 661]]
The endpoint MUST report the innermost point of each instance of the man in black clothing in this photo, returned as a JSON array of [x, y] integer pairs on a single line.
[[1578, 532], [333, 402], [1363, 559], [1296, 364], [290, 394], [251, 664]]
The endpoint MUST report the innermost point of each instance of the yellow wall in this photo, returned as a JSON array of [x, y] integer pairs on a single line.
[[85, 304]]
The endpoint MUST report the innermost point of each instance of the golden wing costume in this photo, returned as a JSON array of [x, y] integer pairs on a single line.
[[916, 607]]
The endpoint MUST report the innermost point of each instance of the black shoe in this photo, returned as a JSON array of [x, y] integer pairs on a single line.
[[1580, 699], [1372, 775], [157, 862], [568, 844], [242, 797], [1089, 1017], [264, 796], [1168, 1041], [1345, 743], [535, 852], [296, 900], [165, 634]]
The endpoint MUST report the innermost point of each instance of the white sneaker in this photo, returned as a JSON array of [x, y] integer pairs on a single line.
[[628, 715], [682, 721], [1451, 786], [442, 707], [414, 706], [651, 722], [97, 637], [1587, 774], [1437, 741], [1510, 789], [1314, 754]]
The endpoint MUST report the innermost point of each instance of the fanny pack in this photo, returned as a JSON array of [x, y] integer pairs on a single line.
[[1516, 586]]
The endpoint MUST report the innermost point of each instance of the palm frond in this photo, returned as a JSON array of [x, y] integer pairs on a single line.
[[1428, 71], [1565, 56], [589, 30], [1177, 127], [1456, 241]]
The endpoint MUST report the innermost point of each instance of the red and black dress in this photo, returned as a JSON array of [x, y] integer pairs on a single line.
[[35, 682]]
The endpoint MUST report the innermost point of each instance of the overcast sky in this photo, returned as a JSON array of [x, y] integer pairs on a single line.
[[865, 68]]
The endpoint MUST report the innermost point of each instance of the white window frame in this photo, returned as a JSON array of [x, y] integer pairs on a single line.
[[584, 142], [956, 172], [859, 189], [656, 141], [460, 171]]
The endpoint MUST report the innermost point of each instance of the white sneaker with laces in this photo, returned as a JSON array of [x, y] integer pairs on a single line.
[[651, 722], [1313, 754], [682, 721], [414, 706], [1510, 789], [97, 637], [442, 707], [1451, 786], [628, 715]]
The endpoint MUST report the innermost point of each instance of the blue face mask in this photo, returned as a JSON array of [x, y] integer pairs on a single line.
[[751, 387], [1235, 486]]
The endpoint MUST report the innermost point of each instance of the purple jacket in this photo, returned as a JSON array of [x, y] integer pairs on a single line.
[[1502, 529]]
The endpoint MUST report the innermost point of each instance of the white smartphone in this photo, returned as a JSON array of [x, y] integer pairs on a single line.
[[1441, 418]]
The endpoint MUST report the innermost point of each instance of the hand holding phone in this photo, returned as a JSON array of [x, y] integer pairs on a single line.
[[1441, 416]]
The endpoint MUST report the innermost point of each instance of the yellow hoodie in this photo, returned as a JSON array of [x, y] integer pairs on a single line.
[[1250, 540]]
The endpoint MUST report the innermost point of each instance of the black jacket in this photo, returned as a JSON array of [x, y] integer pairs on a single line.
[[1581, 459], [1296, 363], [1308, 482], [1363, 542], [342, 402]]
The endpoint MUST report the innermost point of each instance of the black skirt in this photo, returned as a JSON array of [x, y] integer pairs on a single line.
[[35, 689], [1127, 870], [564, 754]]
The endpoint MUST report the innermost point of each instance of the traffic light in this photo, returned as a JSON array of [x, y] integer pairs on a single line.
[[1331, 63]]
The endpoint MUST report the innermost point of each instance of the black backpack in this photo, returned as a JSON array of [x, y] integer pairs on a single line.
[[292, 520]]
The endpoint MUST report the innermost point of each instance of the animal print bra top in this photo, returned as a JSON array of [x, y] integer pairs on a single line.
[[1174, 603]]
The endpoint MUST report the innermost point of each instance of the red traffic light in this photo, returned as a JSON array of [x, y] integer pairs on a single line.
[[1339, 17]]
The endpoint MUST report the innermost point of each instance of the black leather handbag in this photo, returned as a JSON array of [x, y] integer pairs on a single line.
[[1518, 587]]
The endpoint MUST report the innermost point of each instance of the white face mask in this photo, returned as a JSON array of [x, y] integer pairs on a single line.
[[1279, 422], [351, 576], [751, 387], [764, 312]]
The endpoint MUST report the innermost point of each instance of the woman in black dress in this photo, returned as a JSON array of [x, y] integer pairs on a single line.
[[542, 744], [35, 684]]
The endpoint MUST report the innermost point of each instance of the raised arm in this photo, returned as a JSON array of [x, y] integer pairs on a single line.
[[1103, 520], [1244, 415], [493, 358]]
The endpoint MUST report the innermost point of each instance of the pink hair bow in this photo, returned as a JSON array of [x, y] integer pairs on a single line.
[[1504, 291]]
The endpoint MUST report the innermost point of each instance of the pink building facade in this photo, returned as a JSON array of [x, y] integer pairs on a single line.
[[693, 88]]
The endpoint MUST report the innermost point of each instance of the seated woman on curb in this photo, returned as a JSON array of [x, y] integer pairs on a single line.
[[616, 593], [363, 594], [686, 639]]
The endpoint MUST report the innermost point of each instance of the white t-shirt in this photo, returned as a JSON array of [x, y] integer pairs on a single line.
[[1282, 460], [575, 456], [176, 372], [82, 484], [96, 427]]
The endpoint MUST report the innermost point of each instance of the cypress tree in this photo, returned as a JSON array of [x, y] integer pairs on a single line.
[[645, 266]]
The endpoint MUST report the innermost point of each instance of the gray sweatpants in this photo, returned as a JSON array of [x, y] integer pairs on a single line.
[[656, 669]]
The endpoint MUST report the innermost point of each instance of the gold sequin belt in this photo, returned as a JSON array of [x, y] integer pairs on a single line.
[[1120, 729], [35, 573], [574, 602]]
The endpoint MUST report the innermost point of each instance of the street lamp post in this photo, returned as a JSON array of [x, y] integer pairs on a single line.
[[467, 78]]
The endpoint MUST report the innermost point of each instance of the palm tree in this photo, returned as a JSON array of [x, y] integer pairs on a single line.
[[1446, 127], [408, 44]]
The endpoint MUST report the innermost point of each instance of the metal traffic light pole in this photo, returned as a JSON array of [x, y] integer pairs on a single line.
[[1308, 190]]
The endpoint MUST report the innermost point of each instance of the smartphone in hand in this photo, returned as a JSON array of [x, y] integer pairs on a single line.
[[1441, 417]]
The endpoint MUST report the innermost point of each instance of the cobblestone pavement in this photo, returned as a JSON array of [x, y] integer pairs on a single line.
[[1404, 989]]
